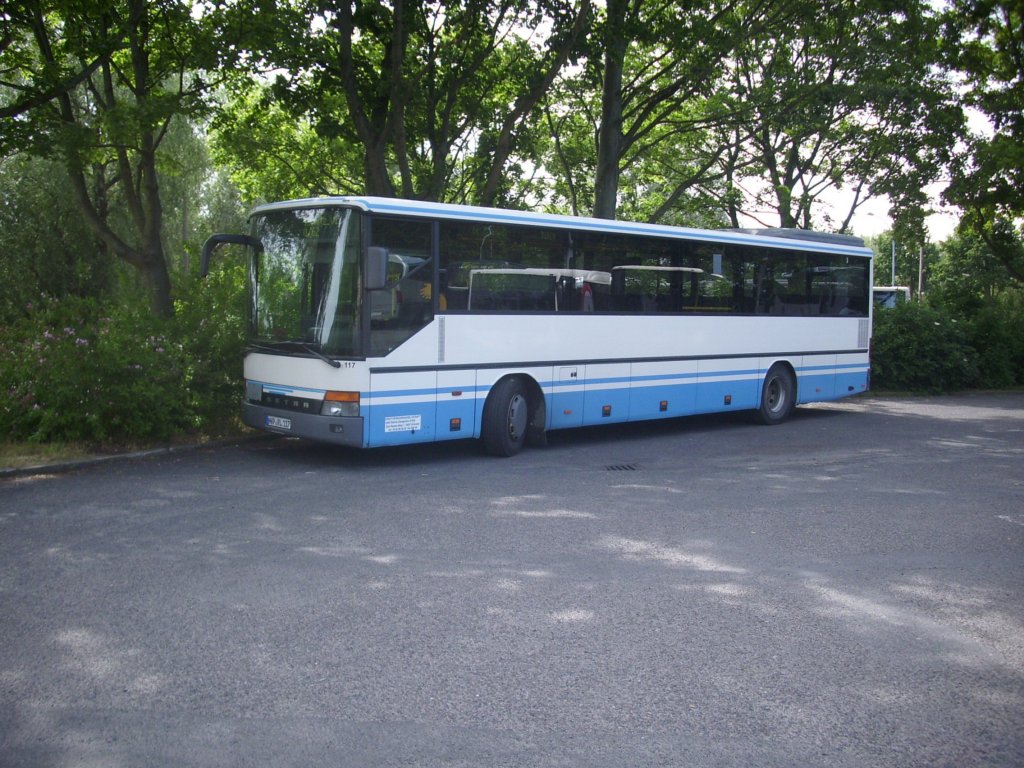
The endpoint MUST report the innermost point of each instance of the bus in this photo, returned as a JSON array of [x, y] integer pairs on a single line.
[[381, 322], [890, 296]]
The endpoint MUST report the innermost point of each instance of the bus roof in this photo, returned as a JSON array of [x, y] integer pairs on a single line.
[[773, 238]]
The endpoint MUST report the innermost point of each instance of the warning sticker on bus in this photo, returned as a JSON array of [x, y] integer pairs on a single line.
[[402, 423]]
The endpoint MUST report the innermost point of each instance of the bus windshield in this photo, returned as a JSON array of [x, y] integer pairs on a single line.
[[305, 281]]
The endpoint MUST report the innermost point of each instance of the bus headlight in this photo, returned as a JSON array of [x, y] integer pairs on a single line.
[[340, 404]]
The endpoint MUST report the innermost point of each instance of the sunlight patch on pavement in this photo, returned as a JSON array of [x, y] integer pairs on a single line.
[[675, 557], [550, 513], [656, 488], [382, 559], [572, 616]]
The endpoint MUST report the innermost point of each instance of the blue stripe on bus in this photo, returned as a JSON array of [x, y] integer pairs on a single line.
[[663, 376], [725, 376], [427, 391], [430, 394], [280, 389]]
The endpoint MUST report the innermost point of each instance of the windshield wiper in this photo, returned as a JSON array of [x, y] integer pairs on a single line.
[[303, 347], [317, 353]]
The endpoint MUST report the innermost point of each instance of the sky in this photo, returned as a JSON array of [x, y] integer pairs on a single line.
[[873, 218]]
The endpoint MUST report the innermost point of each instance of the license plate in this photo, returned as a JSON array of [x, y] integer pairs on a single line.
[[276, 422]]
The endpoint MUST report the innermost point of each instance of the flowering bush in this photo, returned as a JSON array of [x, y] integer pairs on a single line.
[[78, 370], [71, 371]]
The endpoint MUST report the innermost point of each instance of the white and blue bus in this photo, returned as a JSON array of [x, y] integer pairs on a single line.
[[376, 322]]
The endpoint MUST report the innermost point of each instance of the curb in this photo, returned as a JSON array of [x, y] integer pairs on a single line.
[[61, 467]]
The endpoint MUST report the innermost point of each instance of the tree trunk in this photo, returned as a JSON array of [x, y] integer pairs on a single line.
[[556, 58], [158, 281], [375, 165], [609, 142]]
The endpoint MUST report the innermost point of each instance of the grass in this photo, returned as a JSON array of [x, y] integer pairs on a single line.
[[14, 455], [21, 455]]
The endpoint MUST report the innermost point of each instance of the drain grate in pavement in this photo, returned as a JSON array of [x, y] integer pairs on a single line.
[[621, 467]]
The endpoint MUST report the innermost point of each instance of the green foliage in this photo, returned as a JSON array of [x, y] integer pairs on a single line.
[[972, 301], [150, 62], [274, 155], [997, 333], [844, 96], [922, 349], [210, 322], [72, 371], [422, 101], [45, 246], [967, 274], [77, 370], [985, 41]]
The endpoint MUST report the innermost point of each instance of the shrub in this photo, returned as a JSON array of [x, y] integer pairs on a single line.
[[72, 370], [922, 349], [76, 370], [997, 333], [210, 321]]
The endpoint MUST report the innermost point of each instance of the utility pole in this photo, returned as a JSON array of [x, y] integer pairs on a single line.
[[920, 273]]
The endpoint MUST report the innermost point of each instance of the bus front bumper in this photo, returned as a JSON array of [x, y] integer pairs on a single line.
[[340, 430]]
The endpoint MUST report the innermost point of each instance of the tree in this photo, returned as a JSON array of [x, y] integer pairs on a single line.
[[272, 154], [968, 274], [438, 100], [985, 43], [45, 247], [848, 97], [29, 80], [107, 118], [637, 130], [657, 63], [707, 111]]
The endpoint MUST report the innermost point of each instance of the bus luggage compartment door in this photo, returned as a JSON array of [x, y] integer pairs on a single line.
[[456, 404], [402, 407], [567, 397]]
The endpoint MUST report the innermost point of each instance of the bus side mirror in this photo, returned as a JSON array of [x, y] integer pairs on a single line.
[[376, 268], [214, 240]]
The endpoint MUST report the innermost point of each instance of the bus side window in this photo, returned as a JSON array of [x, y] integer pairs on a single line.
[[568, 300]]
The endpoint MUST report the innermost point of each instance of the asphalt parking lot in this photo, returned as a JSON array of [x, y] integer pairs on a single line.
[[841, 590]]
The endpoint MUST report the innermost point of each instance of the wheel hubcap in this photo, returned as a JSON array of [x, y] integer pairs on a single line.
[[776, 396], [517, 415]]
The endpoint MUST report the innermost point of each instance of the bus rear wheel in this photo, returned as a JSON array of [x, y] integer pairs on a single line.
[[506, 418], [778, 395]]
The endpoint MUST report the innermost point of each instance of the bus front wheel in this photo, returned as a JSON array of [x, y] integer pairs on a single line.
[[506, 418], [778, 395]]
